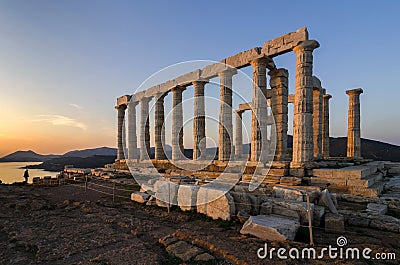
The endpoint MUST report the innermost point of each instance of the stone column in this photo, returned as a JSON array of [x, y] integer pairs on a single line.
[[279, 107], [303, 150], [317, 122], [353, 130], [144, 129], [259, 109], [120, 132], [177, 123], [132, 137], [225, 116], [199, 122], [238, 134], [159, 129], [325, 125]]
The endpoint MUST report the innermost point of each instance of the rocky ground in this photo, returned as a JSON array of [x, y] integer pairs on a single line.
[[65, 225]]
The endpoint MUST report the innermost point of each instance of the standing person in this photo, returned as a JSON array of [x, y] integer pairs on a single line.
[[26, 175]]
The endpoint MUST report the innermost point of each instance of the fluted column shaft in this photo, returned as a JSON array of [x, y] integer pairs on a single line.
[[279, 107], [120, 132], [238, 133], [177, 124], [199, 122], [317, 122], [303, 150], [225, 116], [144, 129], [325, 126], [132, 136], [259, 107], [354, 129], [159, 129]]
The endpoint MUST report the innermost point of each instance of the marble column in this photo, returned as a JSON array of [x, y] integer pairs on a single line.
[[238, 134], [353, 129], [120, 132], [144, 128], [159, 129], [317, 122], [199, 121], [259, 110], [279, 108], [225, 116], [132, 137], [177, 123], [325, 125], [303, 150]]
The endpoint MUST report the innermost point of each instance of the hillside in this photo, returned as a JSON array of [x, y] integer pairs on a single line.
[[101, 151], [26, 156]]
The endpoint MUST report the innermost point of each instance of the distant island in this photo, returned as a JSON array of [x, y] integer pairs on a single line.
[[98, 157]]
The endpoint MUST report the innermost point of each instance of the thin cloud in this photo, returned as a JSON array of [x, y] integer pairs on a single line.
[[76, 106], [59, 120]]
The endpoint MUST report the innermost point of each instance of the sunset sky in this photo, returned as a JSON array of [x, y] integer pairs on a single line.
[[64, 63]]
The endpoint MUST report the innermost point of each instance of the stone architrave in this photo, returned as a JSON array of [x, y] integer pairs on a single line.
[[177, 123], [225, 116], [159, 130], [199, 121], [325, 126], [260, 111], [353, 129], [303, 151], [279, 107], [120, 132], [144, 128], [132, 136]]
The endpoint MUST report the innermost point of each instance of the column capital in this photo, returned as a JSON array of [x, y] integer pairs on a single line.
[[327, 96], [356, 91], [121, 107], [262, 61], [160, 95], [308, 45], [178, 89], [145, 99], [227, 72], [133, 103], [200, 82], [279, 72]]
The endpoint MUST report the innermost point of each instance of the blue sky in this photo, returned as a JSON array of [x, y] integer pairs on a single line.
[[63, 63]]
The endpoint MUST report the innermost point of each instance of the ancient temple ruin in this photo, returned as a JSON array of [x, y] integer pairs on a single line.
[[310, 121]]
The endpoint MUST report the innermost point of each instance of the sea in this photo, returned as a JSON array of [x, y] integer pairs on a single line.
[[11, 172]]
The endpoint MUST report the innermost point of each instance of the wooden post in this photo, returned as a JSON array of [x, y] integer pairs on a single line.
[[309, 219], [86, 184], [113, 194]]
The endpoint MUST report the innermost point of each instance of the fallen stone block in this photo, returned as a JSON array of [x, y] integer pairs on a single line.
[[140, 197], [187, 197], [318, 214], [394, 170], [334, 223], [288, 193], [385, 222], [325, 200], [204, 257], [166, 193], [215, 203], [376, 208], [270, 227], [184, 250], [266, 208]]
